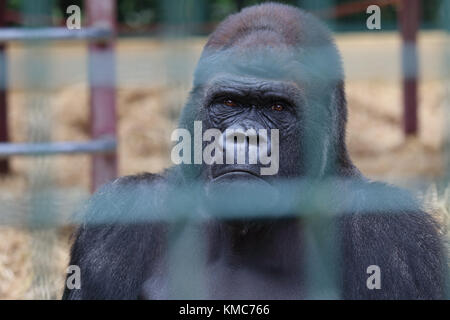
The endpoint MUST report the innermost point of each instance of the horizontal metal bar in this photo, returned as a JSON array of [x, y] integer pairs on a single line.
[[54, 33], [197, 202], [16, 208], [105, 145]]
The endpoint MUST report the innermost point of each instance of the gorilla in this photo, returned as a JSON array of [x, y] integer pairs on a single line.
[[313, 228]]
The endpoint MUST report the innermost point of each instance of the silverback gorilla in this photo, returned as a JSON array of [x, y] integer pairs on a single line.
[[270, 66]]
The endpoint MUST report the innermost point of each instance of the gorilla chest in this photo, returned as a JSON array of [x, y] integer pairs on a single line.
[[225, 281], [220, 280], [262, 264]]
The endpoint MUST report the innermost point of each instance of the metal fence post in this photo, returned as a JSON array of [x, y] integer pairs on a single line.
[[102, 13], [409, 24], [4, 163]]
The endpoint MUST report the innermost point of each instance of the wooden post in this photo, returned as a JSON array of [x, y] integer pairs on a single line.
[[4, 163], [102, 13], [409, 24]]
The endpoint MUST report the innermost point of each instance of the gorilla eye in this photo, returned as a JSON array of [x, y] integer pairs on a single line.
[[229, 103], [277, 107]]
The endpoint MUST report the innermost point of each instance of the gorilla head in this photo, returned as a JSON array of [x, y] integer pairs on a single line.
[[271, 67]]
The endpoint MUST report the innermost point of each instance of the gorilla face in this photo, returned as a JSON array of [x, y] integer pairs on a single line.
[[244, 108], [263, 78]]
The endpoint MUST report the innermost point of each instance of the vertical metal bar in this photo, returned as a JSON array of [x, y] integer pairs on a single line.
[[321, 265], [239, 4], [102, 13], [180, 19], [409, 24], [40, 196], [4, 163], [325, 9]]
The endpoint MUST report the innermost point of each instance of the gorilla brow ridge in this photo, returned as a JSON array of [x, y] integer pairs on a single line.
[[286, 91]]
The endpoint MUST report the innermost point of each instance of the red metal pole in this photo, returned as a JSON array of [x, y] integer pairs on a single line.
[[4, 163], [409, 23], [102, 13]]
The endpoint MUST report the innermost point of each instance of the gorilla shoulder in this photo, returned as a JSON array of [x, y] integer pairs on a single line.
[[114, 235], [388, 229], [123, 199]]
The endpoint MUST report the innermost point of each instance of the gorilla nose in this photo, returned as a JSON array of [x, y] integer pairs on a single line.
[[241, 143]]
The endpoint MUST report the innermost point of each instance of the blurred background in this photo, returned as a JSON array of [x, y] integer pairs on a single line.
[[114, 88]]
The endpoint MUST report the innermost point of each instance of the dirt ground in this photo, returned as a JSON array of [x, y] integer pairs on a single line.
[[32, 263]]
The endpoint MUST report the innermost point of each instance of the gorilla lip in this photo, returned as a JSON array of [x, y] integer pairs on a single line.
[[236, 171]]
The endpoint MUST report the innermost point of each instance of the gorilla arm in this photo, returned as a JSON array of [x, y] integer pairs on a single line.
[[388, 229], [112, 249]]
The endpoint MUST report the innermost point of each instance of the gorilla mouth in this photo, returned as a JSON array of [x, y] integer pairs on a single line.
[[241, 178], [238, 174], [232, 193]]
